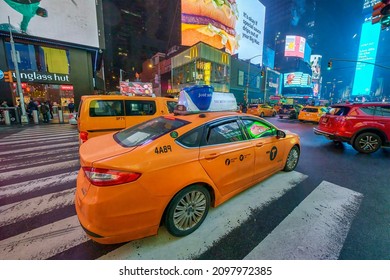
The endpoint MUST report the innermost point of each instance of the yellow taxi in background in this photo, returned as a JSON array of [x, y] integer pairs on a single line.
[[261, 110], [102, 114], [312, 113], [170, 170]]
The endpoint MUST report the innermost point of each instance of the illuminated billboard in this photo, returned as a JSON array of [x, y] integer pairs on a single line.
[[368, 47], [237, 26], [295, 46], [296, 79], [68, 21], [315, 63]]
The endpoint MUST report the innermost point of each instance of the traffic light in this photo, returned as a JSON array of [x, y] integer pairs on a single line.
[[262, 73], [8, 78], [329, 64]]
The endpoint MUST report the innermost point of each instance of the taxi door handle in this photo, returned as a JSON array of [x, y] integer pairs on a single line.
[[211, 156], [259, 145]]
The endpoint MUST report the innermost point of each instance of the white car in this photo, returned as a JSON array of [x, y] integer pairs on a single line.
[[73, 118]]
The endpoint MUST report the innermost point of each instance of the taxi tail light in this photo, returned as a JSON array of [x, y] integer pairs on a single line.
[[106, 177], [83, 136]]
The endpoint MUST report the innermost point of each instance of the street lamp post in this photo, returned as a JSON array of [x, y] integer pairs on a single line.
[[249, 67], [24, 118]]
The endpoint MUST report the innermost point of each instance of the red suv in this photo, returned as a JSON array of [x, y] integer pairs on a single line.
[[365, 126]]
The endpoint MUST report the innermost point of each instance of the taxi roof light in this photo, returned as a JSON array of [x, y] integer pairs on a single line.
[[203, 98]]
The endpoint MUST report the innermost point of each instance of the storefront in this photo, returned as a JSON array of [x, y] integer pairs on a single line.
[[203, 65], [56, 74]]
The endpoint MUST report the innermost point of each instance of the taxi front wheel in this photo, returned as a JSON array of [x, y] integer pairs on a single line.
[[187, 210], [292, 159]]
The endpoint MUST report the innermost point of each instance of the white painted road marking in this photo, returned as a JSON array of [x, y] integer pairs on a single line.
[[38, 170], [18, 211], [315, 230], [44, 242], [38, 184], [218, 223]]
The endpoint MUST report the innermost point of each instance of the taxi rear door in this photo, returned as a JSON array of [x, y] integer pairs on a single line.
[[227, 157]]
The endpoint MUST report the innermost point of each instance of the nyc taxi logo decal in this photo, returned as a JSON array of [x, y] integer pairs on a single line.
[[273, 153]]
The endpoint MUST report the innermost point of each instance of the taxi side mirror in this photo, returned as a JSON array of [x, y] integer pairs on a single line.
[[280, 134]]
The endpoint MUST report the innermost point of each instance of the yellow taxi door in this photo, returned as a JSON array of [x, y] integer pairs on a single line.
[[269, 153], [227, 157], [268, 149]]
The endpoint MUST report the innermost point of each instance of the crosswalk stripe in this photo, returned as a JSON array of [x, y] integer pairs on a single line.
[[315, 230], [45, 157], [219, 222], [39, 135], [20, 173], [18, 211], [33, 139], [37, 184], [44, 242], [48, 147]]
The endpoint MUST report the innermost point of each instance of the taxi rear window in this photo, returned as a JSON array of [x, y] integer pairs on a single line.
[[310, 110], [148, 131]]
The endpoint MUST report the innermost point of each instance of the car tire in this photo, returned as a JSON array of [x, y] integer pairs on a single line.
[[187, 210], [280, 117], [262, 115], [292, 159], [367, 143], [273, 114]]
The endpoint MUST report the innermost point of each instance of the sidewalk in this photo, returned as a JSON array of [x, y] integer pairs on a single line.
[[54, 120]]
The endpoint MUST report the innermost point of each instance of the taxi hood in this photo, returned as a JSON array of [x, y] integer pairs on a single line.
[[101, 148]]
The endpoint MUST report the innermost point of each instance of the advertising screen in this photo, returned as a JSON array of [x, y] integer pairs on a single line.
[[296, 79], [72, 21], [235, 25], [368, 48], [295, 46], [315, 63]]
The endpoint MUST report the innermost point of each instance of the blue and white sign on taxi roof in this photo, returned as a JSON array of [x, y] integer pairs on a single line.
[[200, 98]]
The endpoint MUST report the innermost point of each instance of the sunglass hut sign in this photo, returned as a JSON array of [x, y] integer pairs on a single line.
[[39, 77]]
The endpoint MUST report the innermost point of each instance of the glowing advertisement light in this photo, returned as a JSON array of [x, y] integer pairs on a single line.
[[367, 52]]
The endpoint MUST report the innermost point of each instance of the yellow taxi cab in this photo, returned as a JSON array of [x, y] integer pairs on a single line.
[[312, 113], [261, 110], [102, 114], [170, 170]]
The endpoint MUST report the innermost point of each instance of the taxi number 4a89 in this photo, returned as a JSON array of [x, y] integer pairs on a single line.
[[163, 149]]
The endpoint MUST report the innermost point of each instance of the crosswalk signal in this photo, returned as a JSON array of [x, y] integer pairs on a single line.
[[8, 78]]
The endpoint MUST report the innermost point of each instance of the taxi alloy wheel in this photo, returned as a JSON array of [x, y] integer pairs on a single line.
[[292, 159], [187, 210], [367, 143]]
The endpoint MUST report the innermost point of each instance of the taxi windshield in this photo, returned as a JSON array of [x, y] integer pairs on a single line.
[[148, 131]]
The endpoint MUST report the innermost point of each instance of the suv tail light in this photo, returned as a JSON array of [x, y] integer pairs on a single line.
[[107, 177]]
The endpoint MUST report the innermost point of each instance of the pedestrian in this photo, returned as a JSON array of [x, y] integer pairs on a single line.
[[50, 108], [30, 108], [4, 104], [71, 106], [29, 9], [45, 112]]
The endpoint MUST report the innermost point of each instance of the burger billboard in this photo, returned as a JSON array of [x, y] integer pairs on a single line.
[[234, 25]]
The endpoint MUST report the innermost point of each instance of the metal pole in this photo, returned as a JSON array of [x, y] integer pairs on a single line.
[[24, 118], [247, 82]]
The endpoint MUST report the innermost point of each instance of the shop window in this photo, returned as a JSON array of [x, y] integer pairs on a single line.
[[38, 58]]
